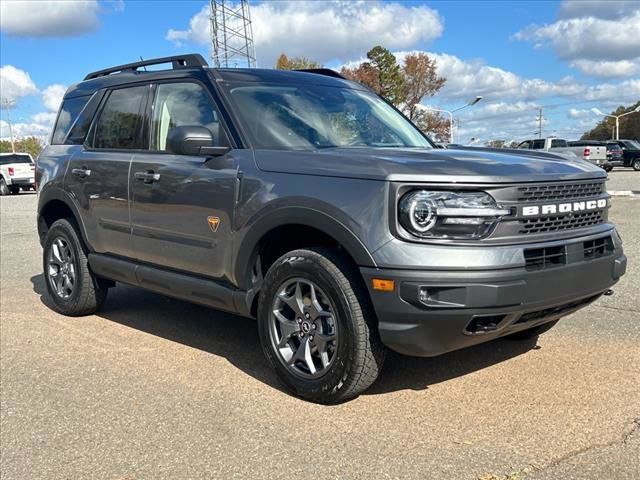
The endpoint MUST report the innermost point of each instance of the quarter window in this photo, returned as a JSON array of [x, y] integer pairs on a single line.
[[121, 119], [71, 108], [183, 104]]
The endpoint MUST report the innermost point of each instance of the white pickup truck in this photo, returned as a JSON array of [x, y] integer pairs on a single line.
[[596, 154], [17, 171]]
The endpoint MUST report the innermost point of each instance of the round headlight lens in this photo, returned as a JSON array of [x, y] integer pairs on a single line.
[[422, 213]]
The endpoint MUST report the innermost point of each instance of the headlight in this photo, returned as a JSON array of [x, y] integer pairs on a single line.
[[453, 215]]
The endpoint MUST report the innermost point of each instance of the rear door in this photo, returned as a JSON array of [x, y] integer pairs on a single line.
[[98, 173], [182, 205]]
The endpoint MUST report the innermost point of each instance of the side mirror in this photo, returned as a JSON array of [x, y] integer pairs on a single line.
[[193, 140]]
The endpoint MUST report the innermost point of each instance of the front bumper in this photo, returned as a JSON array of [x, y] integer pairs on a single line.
[[431, 312]]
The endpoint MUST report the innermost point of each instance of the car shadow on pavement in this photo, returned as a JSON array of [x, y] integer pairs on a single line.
[[236, 339]]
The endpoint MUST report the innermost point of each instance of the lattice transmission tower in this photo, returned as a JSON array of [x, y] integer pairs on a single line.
[[231, 34]]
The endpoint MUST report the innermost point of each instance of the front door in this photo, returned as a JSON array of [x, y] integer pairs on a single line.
[[182, 205], [98, 173]]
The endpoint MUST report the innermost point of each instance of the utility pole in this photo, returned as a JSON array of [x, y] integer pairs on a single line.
[[7, 104], [231, 34], [539, 119]]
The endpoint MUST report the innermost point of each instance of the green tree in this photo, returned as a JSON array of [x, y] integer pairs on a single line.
[[32, 145], [295, 63], [605, 129]]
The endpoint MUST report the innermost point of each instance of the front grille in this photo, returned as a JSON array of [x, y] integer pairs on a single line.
[[555, 311], [546, 257], [559, 191], [557, 223]]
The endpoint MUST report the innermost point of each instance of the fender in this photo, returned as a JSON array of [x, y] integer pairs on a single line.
[[298, 215], [50, 193]]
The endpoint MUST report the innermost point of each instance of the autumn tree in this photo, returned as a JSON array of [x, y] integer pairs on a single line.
[[295, 63], [420, 81], [629, 125], [435, 125]]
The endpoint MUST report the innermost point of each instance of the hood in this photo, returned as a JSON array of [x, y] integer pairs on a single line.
[[437, 165]]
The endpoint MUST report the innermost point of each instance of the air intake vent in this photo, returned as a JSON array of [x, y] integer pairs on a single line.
[[564, 222], [555, 191], [547, 257], [597, 248]]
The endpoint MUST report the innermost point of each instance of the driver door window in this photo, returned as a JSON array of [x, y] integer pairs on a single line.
[[183, 104]]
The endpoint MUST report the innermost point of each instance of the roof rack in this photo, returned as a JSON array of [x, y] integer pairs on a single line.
[[178, 61], [327, 72]]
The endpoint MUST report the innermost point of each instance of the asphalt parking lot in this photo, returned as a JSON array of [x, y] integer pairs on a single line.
[[156, 388]]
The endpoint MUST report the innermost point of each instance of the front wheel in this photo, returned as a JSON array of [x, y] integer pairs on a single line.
[[317, 328], [71, 285], [636, 164], [4, 189]]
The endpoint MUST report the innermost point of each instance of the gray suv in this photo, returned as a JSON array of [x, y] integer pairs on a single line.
[[306, 201]]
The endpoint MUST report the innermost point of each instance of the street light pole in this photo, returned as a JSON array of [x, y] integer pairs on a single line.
[[617, 117], [7, 104]]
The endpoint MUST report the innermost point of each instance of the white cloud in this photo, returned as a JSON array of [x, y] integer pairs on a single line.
[[577, 113], [301, 28], [48, 18], [44, 118], [604, 68], [52, 96], [601, 39], [23, 129], [15, 83]]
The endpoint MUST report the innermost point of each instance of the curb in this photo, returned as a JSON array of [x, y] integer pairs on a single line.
[[624, 193]]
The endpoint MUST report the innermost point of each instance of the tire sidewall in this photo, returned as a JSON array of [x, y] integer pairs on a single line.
[[636, 164], [4, 189], [63, 229], [335, 378]]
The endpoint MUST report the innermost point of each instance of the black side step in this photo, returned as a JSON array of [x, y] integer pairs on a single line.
[[179, 285]]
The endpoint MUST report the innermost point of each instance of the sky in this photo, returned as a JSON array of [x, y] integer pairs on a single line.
[[564, 56]]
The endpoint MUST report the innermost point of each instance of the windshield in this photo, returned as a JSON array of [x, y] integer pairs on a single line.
[[309, 117]]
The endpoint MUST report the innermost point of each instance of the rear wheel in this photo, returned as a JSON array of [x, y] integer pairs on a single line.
[[14, 190], [317, 328], [636, 164], [533, 332], [71, 285], [4, 190]]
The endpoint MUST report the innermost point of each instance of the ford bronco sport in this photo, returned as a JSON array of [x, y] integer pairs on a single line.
[[308, 202]]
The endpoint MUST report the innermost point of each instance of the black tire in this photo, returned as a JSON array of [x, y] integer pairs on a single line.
[[532, 332], [89, 292], [14, 190], [636, 164], [4, 190], [358, 355], [608, 168]]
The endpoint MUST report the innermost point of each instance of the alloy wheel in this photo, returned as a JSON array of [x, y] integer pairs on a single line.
[[61, 269]]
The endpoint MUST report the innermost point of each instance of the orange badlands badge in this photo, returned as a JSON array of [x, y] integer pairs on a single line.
[[214, 223]]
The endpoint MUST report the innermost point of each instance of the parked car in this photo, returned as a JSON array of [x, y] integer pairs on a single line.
[[16, 171], [596, 154], [614, 152], [306, 201], [630, 152]]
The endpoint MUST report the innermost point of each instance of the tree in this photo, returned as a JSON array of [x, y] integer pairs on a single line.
[[405, 87], [420, 81], [32, 145], [435, 125], [605, 129], [295, 63], [381, 73]]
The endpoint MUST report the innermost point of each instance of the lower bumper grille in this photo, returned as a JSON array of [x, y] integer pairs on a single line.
[[555, 311]]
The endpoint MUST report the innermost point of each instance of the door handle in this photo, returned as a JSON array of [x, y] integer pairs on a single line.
[[147, 177], [81, 172]]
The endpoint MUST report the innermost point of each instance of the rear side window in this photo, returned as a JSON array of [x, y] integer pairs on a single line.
[[537, 144], [558, 143], [71, 108], [14, 158], [120, 121]]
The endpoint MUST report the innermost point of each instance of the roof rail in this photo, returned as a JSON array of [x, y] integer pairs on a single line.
[[178, 61], [327, 72]]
